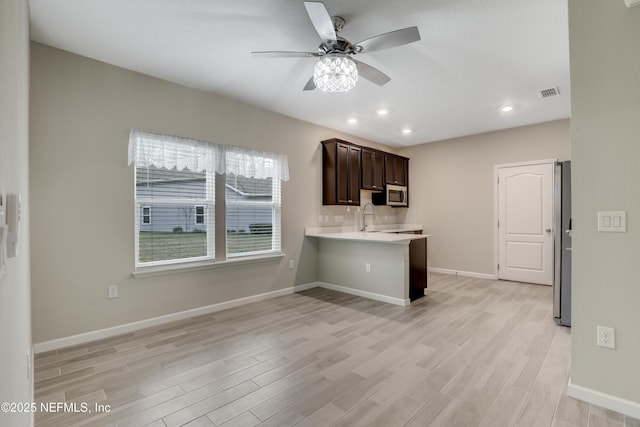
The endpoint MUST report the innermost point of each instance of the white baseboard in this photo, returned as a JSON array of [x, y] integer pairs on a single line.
[[617, 404], [113, 331], [463, 273], [365, 294], [300, 288]]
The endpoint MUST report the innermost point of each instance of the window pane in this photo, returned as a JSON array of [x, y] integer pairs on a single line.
[[178, 228], [249, 215]]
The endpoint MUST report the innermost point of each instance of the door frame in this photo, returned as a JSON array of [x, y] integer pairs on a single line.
[[496, 207]]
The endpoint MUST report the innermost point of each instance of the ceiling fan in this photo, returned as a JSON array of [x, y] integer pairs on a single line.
[[336, 69]]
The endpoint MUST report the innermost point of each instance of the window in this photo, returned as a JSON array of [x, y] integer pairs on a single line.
[[175, 179], [252, 201], [146, 215], [200, 213], [252, 215]]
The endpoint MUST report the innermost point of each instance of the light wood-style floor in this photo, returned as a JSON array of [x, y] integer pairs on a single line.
[[473, 352]]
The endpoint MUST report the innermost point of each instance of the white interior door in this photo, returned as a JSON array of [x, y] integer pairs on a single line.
[[525, 223]]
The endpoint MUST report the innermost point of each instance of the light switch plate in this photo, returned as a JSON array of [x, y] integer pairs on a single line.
[[612, 221]]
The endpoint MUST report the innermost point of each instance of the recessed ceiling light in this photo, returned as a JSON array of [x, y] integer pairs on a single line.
[[406, 131], [352, 120], [507, 109], [382, 112]]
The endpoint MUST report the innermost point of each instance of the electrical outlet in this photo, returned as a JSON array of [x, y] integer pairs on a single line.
[[606, 337], [290, 264], [113, 291], [367, 267]]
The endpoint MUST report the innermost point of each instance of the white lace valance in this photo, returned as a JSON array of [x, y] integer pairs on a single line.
[[253, 163], [165, 151]]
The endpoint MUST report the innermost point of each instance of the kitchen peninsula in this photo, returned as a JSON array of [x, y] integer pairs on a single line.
[[386, 264]]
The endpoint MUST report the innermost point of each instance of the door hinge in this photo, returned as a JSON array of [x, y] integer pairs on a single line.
[[498, 223], [498, 266], [498, 180]]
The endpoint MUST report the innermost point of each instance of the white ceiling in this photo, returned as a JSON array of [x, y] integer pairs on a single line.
[[474, 57]]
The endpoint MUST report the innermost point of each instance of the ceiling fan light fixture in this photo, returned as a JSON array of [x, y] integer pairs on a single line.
[[335, 72]]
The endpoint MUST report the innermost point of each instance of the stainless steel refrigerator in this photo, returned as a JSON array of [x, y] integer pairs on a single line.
[[562, 280]]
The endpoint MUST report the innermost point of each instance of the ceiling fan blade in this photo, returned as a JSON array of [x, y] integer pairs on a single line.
[[372, 74], [391, 39], [310, 85], [321, 20], [286, 54]]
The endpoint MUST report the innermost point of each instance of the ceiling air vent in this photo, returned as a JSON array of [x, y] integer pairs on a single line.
[[547, 93]]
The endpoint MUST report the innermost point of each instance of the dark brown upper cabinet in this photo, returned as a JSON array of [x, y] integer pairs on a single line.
[[372, 169], [396, 169], [340, 173]]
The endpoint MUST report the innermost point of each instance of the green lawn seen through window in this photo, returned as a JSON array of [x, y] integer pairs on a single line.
[[163, 246]]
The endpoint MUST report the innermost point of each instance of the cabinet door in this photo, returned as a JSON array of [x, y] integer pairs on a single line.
[[372, 170], [354, 176], [417, 268], [367, 169], [348, 174], [342, 173], [396, 170], [400, 171], [378, 171]]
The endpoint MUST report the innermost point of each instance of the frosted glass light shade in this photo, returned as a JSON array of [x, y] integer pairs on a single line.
[[335, 73]]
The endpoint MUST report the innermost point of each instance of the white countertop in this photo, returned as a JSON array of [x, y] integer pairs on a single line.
[[376, 235]]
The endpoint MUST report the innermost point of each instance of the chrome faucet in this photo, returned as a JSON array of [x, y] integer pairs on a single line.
[[364, 216]]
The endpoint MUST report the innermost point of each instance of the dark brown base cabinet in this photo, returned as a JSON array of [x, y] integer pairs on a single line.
[[417, 268]]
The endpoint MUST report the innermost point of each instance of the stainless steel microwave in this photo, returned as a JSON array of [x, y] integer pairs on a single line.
[[393, 195]]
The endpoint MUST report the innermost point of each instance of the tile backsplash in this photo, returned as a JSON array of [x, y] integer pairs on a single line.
[[347, 216]]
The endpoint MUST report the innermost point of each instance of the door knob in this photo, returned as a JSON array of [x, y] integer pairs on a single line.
[[548, 230]]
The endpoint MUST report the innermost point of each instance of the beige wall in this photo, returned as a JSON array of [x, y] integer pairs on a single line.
[[82, 193], [605, 134], [15, 314], [452, 189]]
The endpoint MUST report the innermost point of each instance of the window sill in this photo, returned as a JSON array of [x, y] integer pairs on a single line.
[[205, 265]]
